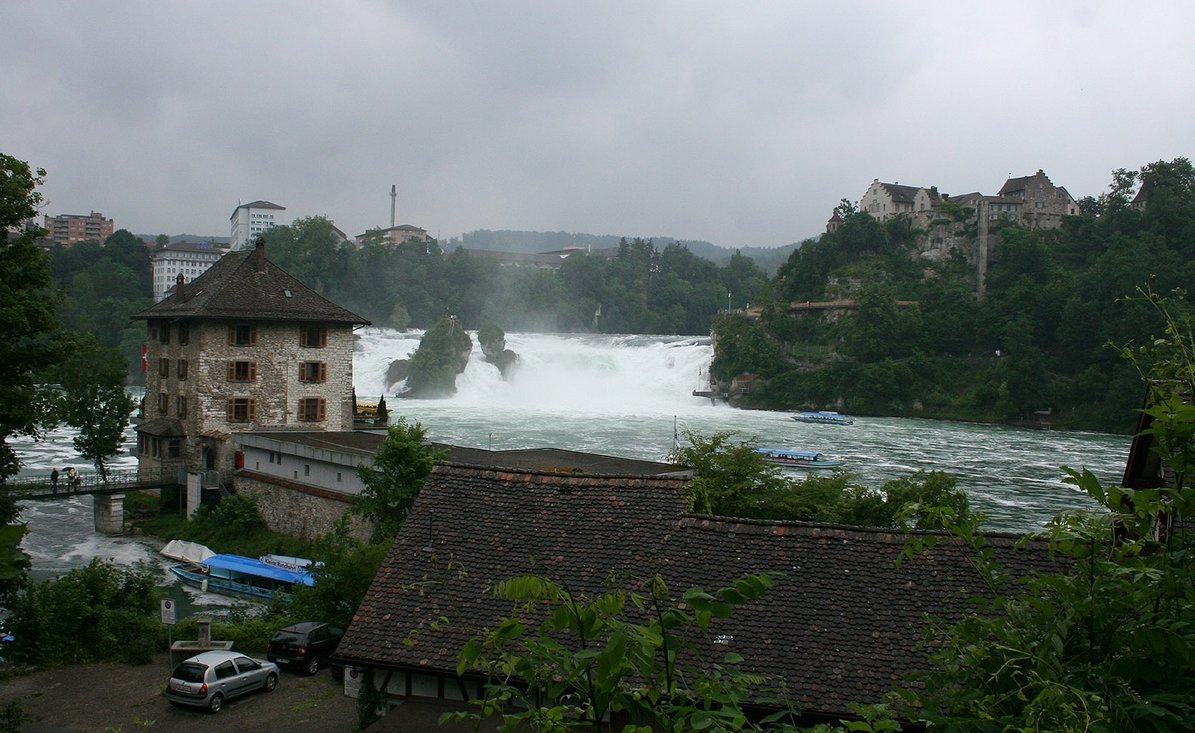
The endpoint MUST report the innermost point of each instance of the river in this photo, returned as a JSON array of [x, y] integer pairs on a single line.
[[622, 395]]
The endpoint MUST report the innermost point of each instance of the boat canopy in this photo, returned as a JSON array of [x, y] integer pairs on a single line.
[[785, 452], [186, 551], [249, 566]]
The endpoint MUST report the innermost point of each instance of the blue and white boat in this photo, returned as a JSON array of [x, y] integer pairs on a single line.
[[243, 576], [796, 458], [823, 417]]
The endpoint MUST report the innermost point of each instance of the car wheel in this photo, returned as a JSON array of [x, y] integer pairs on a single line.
[[312, 665], [215, 703], [271, 682]]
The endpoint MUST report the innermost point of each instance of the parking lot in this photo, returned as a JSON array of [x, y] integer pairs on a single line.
[[118, 698]]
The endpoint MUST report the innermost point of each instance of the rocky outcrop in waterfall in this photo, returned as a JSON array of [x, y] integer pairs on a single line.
[[396, 372], [443, 353], [493, 345]]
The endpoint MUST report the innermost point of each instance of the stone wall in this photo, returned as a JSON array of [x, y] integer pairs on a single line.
[[298, 509]]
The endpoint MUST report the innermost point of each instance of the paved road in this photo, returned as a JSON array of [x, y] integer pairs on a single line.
[[118, 698]]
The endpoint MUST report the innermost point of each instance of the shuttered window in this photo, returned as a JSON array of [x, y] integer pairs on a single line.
[[313, 337], [242, 335], [313, 371], [242, 409], [242, 371], [312, 409]]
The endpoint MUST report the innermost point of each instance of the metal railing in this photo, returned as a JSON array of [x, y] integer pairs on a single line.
[[89, 482]]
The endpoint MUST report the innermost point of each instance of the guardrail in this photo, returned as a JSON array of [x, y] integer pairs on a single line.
[[44, 486]]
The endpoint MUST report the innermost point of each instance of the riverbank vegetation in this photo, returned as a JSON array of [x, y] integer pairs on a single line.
[[922, 339]]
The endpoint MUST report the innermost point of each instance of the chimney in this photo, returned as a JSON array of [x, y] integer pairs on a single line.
[[179, 295], [259, 255]]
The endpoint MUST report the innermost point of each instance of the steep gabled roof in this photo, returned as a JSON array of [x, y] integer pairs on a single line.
[[247, 286], [841, 625], [901, 194]]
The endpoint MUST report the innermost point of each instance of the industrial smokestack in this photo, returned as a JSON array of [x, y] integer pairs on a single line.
[[393, 198]]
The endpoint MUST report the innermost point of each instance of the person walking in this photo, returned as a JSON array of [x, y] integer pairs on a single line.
[[54, 480]]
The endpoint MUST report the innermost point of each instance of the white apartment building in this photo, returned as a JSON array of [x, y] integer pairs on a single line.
[[250, 220], [189, 259]]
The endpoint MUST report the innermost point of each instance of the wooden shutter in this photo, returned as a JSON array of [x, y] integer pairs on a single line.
[[253, 335], [253, 369], [231, 409], [323, 409], [323, 372], [252, 409], [232, 371]]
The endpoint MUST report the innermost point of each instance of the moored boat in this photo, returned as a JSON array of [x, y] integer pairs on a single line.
[[796, 458], [823, 417], [242, 576]]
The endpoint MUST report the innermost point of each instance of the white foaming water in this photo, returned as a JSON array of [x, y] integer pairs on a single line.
[[583, 374]]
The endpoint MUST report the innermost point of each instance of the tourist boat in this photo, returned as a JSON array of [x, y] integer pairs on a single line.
[[823, 417], [796, 458], [243, 576]]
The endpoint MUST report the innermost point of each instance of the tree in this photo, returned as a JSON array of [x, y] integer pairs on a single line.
[[443, 353], [29, 329], [730, 479], [92, 399], [400, 466], [346, 570]]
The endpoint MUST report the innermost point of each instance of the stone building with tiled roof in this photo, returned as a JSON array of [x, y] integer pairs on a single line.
[[841, 624], [245, 346]]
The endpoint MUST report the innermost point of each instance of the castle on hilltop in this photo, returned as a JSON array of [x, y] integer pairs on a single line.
[[1031, 201], [968, 223]]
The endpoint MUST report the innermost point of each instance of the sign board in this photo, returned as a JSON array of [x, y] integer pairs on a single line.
[[167, 611]]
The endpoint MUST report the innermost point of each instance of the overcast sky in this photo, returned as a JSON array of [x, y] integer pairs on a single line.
[[739, 123]]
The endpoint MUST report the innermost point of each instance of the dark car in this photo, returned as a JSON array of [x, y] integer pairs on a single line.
[[306, 646], [206, 680]]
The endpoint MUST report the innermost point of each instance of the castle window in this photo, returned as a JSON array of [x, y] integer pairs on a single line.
[[242, 371], [181, 409], [163, 368], [182, 369], [242, 335], [174, 448], [312, 409], [184, 333], [242, 409], [163, 404], [164, 333], [313, 337], [313, 371]]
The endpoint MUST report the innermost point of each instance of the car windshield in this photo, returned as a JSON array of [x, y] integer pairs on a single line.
[[286, 637], [189, 672]]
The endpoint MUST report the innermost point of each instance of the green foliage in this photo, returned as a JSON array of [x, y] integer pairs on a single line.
[[92, 399], [732, 480], [348, 567], [400, 466], [100, 612], [442, 354], [1106, 642], [1051, 300], [29, 328]]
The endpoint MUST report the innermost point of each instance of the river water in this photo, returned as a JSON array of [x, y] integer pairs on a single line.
[[623, 395]]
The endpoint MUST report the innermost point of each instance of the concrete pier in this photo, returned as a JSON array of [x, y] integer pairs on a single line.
[[109, 514]]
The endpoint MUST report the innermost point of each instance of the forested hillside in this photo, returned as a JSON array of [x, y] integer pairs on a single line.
[[1034, 348]]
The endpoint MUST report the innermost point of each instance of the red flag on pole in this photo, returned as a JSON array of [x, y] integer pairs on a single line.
[[144, 357]]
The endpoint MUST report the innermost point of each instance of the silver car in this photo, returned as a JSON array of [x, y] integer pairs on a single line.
[[207, 680]]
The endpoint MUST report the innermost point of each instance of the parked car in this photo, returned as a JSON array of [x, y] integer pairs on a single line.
[[306, 646], [207, 680]]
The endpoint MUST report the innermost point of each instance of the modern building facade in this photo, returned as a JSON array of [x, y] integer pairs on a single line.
[[67, 229], [249, 221], [189, 259], [395, 235], [243, 347]]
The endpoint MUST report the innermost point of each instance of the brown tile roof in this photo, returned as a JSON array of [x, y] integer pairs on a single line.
[[841, 625], [247, 286]]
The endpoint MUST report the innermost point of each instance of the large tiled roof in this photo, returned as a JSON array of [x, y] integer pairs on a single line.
[[247, 286], [841, 625]]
